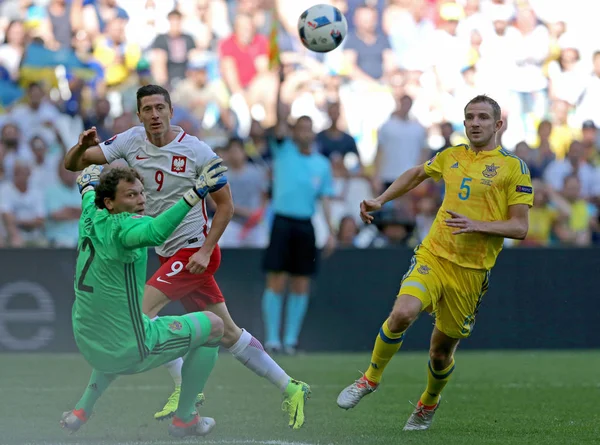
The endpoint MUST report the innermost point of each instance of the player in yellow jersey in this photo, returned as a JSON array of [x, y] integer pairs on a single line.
[[488, 196]]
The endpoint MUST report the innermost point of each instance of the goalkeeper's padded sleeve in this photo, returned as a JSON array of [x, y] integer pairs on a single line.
[[148, 232]]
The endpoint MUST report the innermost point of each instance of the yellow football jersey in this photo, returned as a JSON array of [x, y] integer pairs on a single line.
[[480, 186]]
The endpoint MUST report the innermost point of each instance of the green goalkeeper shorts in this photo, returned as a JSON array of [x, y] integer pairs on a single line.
[[168, 338]]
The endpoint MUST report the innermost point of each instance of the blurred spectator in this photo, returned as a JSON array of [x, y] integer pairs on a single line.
[[448, 52], [538, 62], [13, 48], [543, 155], [562, 133], [207, 100], [37, 115], [530, 46], [205, 20], [368, 51], [347, 232], [446, 131], [543, 217], [333, 140], [524, 152], [589, 139], [567, 75], [394, 227], [63, 206], [248, 184], [243, 55], [171, 52], [96, 15], [577, 229], [118, 57], [12, 149], [574, 164], [588, 102], [257, 146], [409, 30], [23, 209], [100, 118], [401, 141], [43, 167], [56, 26]]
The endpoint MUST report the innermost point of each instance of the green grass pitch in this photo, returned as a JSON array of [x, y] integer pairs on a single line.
[[502, 398]]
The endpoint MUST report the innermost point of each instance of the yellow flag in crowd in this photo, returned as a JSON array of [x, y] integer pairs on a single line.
[[274, 59]]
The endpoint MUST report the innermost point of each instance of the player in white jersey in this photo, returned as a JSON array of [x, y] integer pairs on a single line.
[[169, 160]]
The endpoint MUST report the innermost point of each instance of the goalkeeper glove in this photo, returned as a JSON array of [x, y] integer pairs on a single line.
[[209, 180], [89, 178]]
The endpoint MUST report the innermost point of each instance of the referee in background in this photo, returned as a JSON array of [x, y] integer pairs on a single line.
[[301, 177]]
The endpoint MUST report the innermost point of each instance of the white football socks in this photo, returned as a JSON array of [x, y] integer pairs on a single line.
[[250, 352]]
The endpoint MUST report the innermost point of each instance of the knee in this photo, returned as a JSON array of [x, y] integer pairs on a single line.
[[231, 334], [300, 285], [401, 318], [440, 358], [217, 327], [276, 282]]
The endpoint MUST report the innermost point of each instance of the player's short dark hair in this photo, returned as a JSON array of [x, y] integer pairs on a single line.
[[482, 98], [151, 90], [109, 181]]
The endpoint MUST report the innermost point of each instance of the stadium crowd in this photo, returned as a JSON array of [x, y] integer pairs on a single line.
[[390, 98]]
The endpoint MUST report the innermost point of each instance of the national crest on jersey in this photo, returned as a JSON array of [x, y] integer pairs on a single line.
[[168, 173], [178, 164], [490, 170]]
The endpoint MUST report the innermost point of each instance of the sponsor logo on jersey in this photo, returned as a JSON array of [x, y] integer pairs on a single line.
[[110, 141], [175, 326], [490, 170], [136, 216], [141, 158], [424, 269], [488, 182], [524, 189], [455, 165], [178, 164]]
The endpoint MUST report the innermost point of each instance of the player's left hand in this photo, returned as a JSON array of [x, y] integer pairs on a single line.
[[461, 222], [89, 178], [198, 262]]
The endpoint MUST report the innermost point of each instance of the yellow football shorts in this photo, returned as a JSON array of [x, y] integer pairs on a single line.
[[450, 292]]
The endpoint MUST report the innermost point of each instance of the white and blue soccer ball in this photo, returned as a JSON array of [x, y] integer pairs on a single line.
[[322, 28]]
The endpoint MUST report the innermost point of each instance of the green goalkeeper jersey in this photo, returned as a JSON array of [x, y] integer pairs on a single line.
[[108, 323]]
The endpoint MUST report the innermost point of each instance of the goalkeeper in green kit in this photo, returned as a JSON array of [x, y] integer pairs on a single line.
[[110, 330]]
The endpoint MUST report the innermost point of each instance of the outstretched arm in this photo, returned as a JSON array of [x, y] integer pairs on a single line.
[[147, 232], [86, 152], [402, 185]]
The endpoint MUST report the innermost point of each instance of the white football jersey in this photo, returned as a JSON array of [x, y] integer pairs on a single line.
[[168, 173]]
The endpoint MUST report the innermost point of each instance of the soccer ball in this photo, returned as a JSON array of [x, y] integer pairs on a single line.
[[322, 28]]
